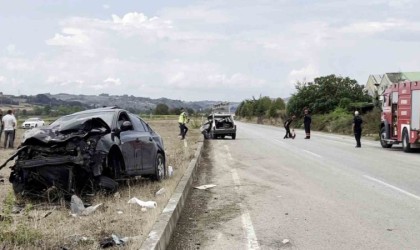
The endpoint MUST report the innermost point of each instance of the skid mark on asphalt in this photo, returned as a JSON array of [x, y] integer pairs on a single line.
[[393, 187], [252, 241]]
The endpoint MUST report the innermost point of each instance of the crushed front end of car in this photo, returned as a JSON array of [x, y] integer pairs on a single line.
[[58, 161]]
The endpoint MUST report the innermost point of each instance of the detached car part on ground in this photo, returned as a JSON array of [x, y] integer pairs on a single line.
[[219, 126], [86, 152]]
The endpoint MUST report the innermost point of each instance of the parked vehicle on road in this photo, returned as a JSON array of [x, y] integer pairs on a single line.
[[87, 151], [400, 119], [33, 123], [219, 126]]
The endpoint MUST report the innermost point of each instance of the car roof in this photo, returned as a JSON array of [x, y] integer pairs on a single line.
[[113, 109]]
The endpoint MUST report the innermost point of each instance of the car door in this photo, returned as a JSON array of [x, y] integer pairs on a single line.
[[147, 155], [128, 144], [149, 149]]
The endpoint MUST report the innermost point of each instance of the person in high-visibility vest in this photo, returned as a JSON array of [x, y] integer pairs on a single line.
[[182, 120]]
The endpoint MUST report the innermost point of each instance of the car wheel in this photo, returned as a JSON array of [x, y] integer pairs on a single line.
[[222, 136], [107, 184], [159, 168], [233, 136], [406, 141], [382, 135]]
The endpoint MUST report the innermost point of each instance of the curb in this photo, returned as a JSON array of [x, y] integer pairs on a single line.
[[160, 235]]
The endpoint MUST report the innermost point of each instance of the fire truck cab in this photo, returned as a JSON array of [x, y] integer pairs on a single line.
[[400, 119]]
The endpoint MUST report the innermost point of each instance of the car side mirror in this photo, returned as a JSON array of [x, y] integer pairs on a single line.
[[126, 125]]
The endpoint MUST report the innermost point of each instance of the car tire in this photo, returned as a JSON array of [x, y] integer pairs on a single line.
[[233, 136], [406, 141], [107, 184], [160, 169], [222, 136], [382, 136]]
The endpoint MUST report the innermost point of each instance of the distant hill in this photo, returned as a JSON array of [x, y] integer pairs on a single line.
[[132, 103]]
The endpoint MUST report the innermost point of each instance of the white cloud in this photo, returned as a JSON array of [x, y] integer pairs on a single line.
[[113, 81], [305, 74], [69, 37], [196, 76], [141, 21], [106, 6], [2, 79]]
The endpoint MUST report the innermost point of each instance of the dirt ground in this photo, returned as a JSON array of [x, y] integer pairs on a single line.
[[50, 226]]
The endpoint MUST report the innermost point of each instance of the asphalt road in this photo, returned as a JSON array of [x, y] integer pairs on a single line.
[[321, 193]]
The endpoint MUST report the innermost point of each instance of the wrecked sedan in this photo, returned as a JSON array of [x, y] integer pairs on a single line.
[[85, 152], [219, 126]]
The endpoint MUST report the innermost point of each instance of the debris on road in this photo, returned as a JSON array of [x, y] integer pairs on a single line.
[[145, 204], [120, 212], [204, 187], [170, 171], [114, 240], [17, 209], [78, 208], [160, 191], [285, 241], [117, 195]]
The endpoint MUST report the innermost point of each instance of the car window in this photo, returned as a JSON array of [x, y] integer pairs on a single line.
[[146, 127], [138, 126], [122, 118]]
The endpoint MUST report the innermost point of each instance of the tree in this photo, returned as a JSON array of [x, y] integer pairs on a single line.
[[276, 105], [161, 109], [325, 94]]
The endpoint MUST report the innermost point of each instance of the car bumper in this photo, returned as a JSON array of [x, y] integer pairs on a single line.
[[224, 131]]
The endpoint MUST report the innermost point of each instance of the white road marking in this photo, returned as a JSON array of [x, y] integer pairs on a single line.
[[393, 187], [246, 218], [279, 140], [311, 153]]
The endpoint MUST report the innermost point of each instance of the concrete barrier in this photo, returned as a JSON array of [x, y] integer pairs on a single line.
[[162, 230]]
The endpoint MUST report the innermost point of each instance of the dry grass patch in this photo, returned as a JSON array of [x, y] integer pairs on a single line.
[[50, 226]]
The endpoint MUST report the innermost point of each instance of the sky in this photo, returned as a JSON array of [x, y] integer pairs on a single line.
[[200, 50]]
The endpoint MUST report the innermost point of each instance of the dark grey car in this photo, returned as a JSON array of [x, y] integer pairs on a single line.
[[82, 152]]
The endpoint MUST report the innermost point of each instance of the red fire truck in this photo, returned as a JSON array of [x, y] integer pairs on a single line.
[[400, 120]]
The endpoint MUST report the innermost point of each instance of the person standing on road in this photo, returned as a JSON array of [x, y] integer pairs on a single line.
[[9, 124], [287, 127], [182, 120], [357, 128], [307, 123]]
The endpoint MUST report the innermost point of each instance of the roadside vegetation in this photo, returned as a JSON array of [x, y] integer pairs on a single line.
[[331, 100]]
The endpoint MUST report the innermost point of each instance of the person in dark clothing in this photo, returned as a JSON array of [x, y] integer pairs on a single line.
[[287, 127], [357, 128], [307, 123]]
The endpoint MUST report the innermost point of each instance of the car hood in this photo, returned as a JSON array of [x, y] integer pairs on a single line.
[[65, 130]]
